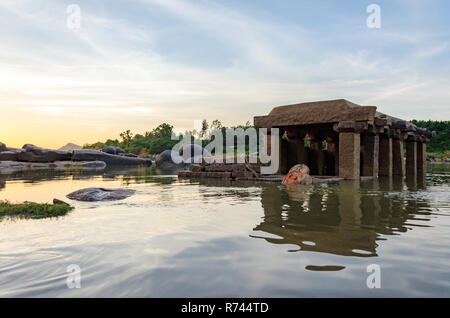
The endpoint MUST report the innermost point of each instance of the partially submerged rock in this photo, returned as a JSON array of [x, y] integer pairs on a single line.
[[8, 167], [110, 160], [169, 159], [100, 194], [193, 153], [2, 147]]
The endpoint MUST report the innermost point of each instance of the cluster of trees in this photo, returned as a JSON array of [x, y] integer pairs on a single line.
[[440, 143], [159, 139], [151, 142]]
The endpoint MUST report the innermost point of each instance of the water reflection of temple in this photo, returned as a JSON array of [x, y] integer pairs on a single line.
[[346, 219]]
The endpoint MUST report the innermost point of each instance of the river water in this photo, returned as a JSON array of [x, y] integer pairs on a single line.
[[213, 238]]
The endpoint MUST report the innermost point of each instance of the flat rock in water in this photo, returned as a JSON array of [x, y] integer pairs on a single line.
[[11, 166], [100, 194]]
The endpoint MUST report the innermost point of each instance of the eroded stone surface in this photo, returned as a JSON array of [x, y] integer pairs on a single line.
[[113, 150], [37, 154], [10, 155], [165, 160], [110, 160], [100, 194]]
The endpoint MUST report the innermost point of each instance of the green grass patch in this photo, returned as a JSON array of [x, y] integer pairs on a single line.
[[32, 210]]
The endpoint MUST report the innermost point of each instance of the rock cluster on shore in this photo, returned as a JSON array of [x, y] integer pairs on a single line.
[[434, 157], [169, 159], [31, 157]]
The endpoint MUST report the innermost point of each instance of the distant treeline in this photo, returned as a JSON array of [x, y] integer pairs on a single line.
[[440, 143], [159, 139]]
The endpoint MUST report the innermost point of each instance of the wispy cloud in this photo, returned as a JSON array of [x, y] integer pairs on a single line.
[[176, 61]]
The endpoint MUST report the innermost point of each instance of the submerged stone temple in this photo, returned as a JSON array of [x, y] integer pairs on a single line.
[[340, 138]]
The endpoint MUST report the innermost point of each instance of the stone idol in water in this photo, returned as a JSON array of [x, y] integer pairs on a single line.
[[299, 174]]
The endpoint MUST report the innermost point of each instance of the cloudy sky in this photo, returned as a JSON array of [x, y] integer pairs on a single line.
[[134, 64]]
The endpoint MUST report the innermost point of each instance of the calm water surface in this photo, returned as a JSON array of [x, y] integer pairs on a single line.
[[178, 238]]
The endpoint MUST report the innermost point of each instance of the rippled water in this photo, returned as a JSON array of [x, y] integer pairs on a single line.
[[217, 238]]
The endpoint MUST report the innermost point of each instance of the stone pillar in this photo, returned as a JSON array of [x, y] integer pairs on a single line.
[[349, 151], [398, 163], [318, 156], [421, 157], [411, 157], [385, 157], [370, 155]]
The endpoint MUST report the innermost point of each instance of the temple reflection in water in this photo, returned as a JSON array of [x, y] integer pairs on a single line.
[[346, 219]]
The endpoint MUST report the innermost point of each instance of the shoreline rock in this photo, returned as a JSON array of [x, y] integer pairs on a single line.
[[110, 160], [113, 150], [37, 154], [8, 167], [188, 155]]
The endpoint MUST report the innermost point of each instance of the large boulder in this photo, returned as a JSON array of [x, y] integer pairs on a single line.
[[100, 194], [165, 160], [10, 155], [37, 154], [110, 160], [2, 147], [193, 153], [113, 150]]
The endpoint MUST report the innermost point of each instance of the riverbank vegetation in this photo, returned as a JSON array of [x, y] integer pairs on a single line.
[[441, 143], [33, 210], [159, 139]]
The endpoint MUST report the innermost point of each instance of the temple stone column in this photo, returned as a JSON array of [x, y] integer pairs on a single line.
[[349, 151], [385, 157], [411, 156], [370, 155], [398, 163], [421, 157]]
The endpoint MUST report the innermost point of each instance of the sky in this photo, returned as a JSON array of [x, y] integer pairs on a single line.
[[137, 63]]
